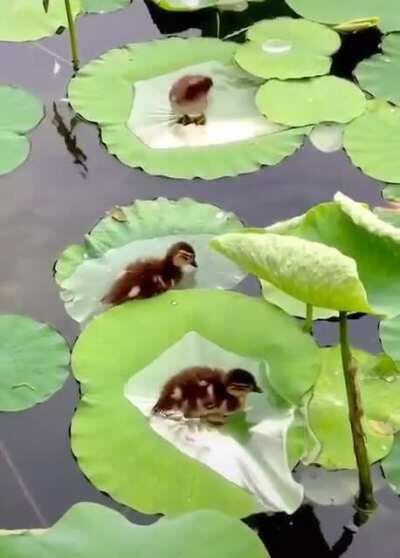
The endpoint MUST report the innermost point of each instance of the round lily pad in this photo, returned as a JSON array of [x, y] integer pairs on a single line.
[[126, 93], [327, 137], [287, 48], [391, 466], [391, 192], [389, 330], [34, 362], [342, 10], [328, 410], [372, 141], [26, 20], [20, 112], [322, 99], [103, 6], [380, 74], [124, 342], [194, 5], [91, 530]]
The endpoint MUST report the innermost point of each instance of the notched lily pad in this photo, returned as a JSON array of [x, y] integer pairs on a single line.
[[103, 6]]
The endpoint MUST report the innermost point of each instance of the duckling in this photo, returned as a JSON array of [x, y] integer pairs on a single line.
[[189, 98], [206, 393], [151, 277]]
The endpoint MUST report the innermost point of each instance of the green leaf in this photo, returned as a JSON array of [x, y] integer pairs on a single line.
[[34, 362], [372, 141], [391, 466], [342, 11], [389, 215], [102, 6], [46, 4], [328, 410], [380, 74], [322, 99], [92, 530], [287, 48], [126, 341], [391, 192], [389, 330]]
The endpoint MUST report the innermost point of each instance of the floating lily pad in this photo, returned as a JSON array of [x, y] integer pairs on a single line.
[[287, 48], [322, 99], [102, 6], [391, 192], [194, 5], [389, 330], [389, 215], [144, 229], [391, 466], [339, 255], [20, 112], [380, 74], [126, 340], [327, 137], [126, 93], [33, 362], [328, 410], [26, 20], [372, 141], [342, 10], [91, 530]]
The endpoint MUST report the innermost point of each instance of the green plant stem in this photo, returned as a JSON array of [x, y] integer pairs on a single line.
[[308, 324], [365, 500], [72, 36]]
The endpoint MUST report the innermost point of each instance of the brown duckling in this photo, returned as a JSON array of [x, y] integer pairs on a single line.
[[151, 277], [206, 393], [189, 98]]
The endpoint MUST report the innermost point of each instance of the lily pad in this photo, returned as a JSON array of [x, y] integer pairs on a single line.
[[34, 362], [114, 92], [390, 215], [194, 5], [327, 138], [322, 99], [391, 466], [20, 112], [391, 192], [287, 48], [380, 74], [338, 255], [389, 330], [86, 272], [123, 342], [26, 20], [91, 530], [328, 410], [372, 141], [342, 11], [103, 6]]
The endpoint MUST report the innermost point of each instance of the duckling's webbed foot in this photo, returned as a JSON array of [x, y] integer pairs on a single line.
[[198, 120]]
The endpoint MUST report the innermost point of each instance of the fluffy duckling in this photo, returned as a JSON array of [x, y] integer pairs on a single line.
[[189, 98], [151, 277], [206, 393]]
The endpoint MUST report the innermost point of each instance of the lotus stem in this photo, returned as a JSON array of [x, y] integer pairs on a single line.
[[72, 36], [308, 324], [365, 500]]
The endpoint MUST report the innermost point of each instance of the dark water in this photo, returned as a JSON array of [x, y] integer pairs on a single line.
[[67, 184]]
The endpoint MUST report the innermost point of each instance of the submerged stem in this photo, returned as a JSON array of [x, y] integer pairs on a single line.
[[365, 500], [308, 324], [72, 35]]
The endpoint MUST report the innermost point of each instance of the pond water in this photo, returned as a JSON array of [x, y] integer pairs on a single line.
[[62, 190]]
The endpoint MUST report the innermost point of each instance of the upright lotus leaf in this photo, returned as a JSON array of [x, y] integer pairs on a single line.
[[391, 466], [34, 362], [20, 112], [287, 48], [328, 409], [127, 90], [92, 530], [322, 99], [103, 6], [391, 192], [380, 74], [127, 351], [344, 11], [372, 141], [26, 20], [144, 229]]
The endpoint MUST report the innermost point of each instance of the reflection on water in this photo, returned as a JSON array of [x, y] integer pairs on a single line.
[[70, 140]]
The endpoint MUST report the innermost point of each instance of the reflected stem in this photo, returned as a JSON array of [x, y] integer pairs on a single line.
[[72, 36], [308, 324], [365, 501]]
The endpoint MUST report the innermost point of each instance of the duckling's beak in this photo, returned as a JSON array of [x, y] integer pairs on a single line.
[[257, 389], [194, 263]]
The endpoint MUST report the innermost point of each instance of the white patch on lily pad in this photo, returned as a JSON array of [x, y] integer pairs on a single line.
[[83, 291], [277, 46], [257, 461], [231, 116], [327, 138]]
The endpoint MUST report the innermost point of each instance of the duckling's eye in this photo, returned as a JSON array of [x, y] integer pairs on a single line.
[[210, 405]]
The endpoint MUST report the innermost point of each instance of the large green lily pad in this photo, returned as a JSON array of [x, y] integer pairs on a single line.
[[322, 99], [342, 10], [91, 530], [287, 48], [328, 410], [105, 91], [34, 362], [103, 6], [389, 330], [391, 466], [391, 192], [372, 141], [20, 112], [26, 20], [380, 74], [122, 342]]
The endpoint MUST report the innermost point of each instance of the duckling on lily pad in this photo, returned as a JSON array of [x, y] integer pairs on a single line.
[[151, 277], [189, 99], [206, 393]]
